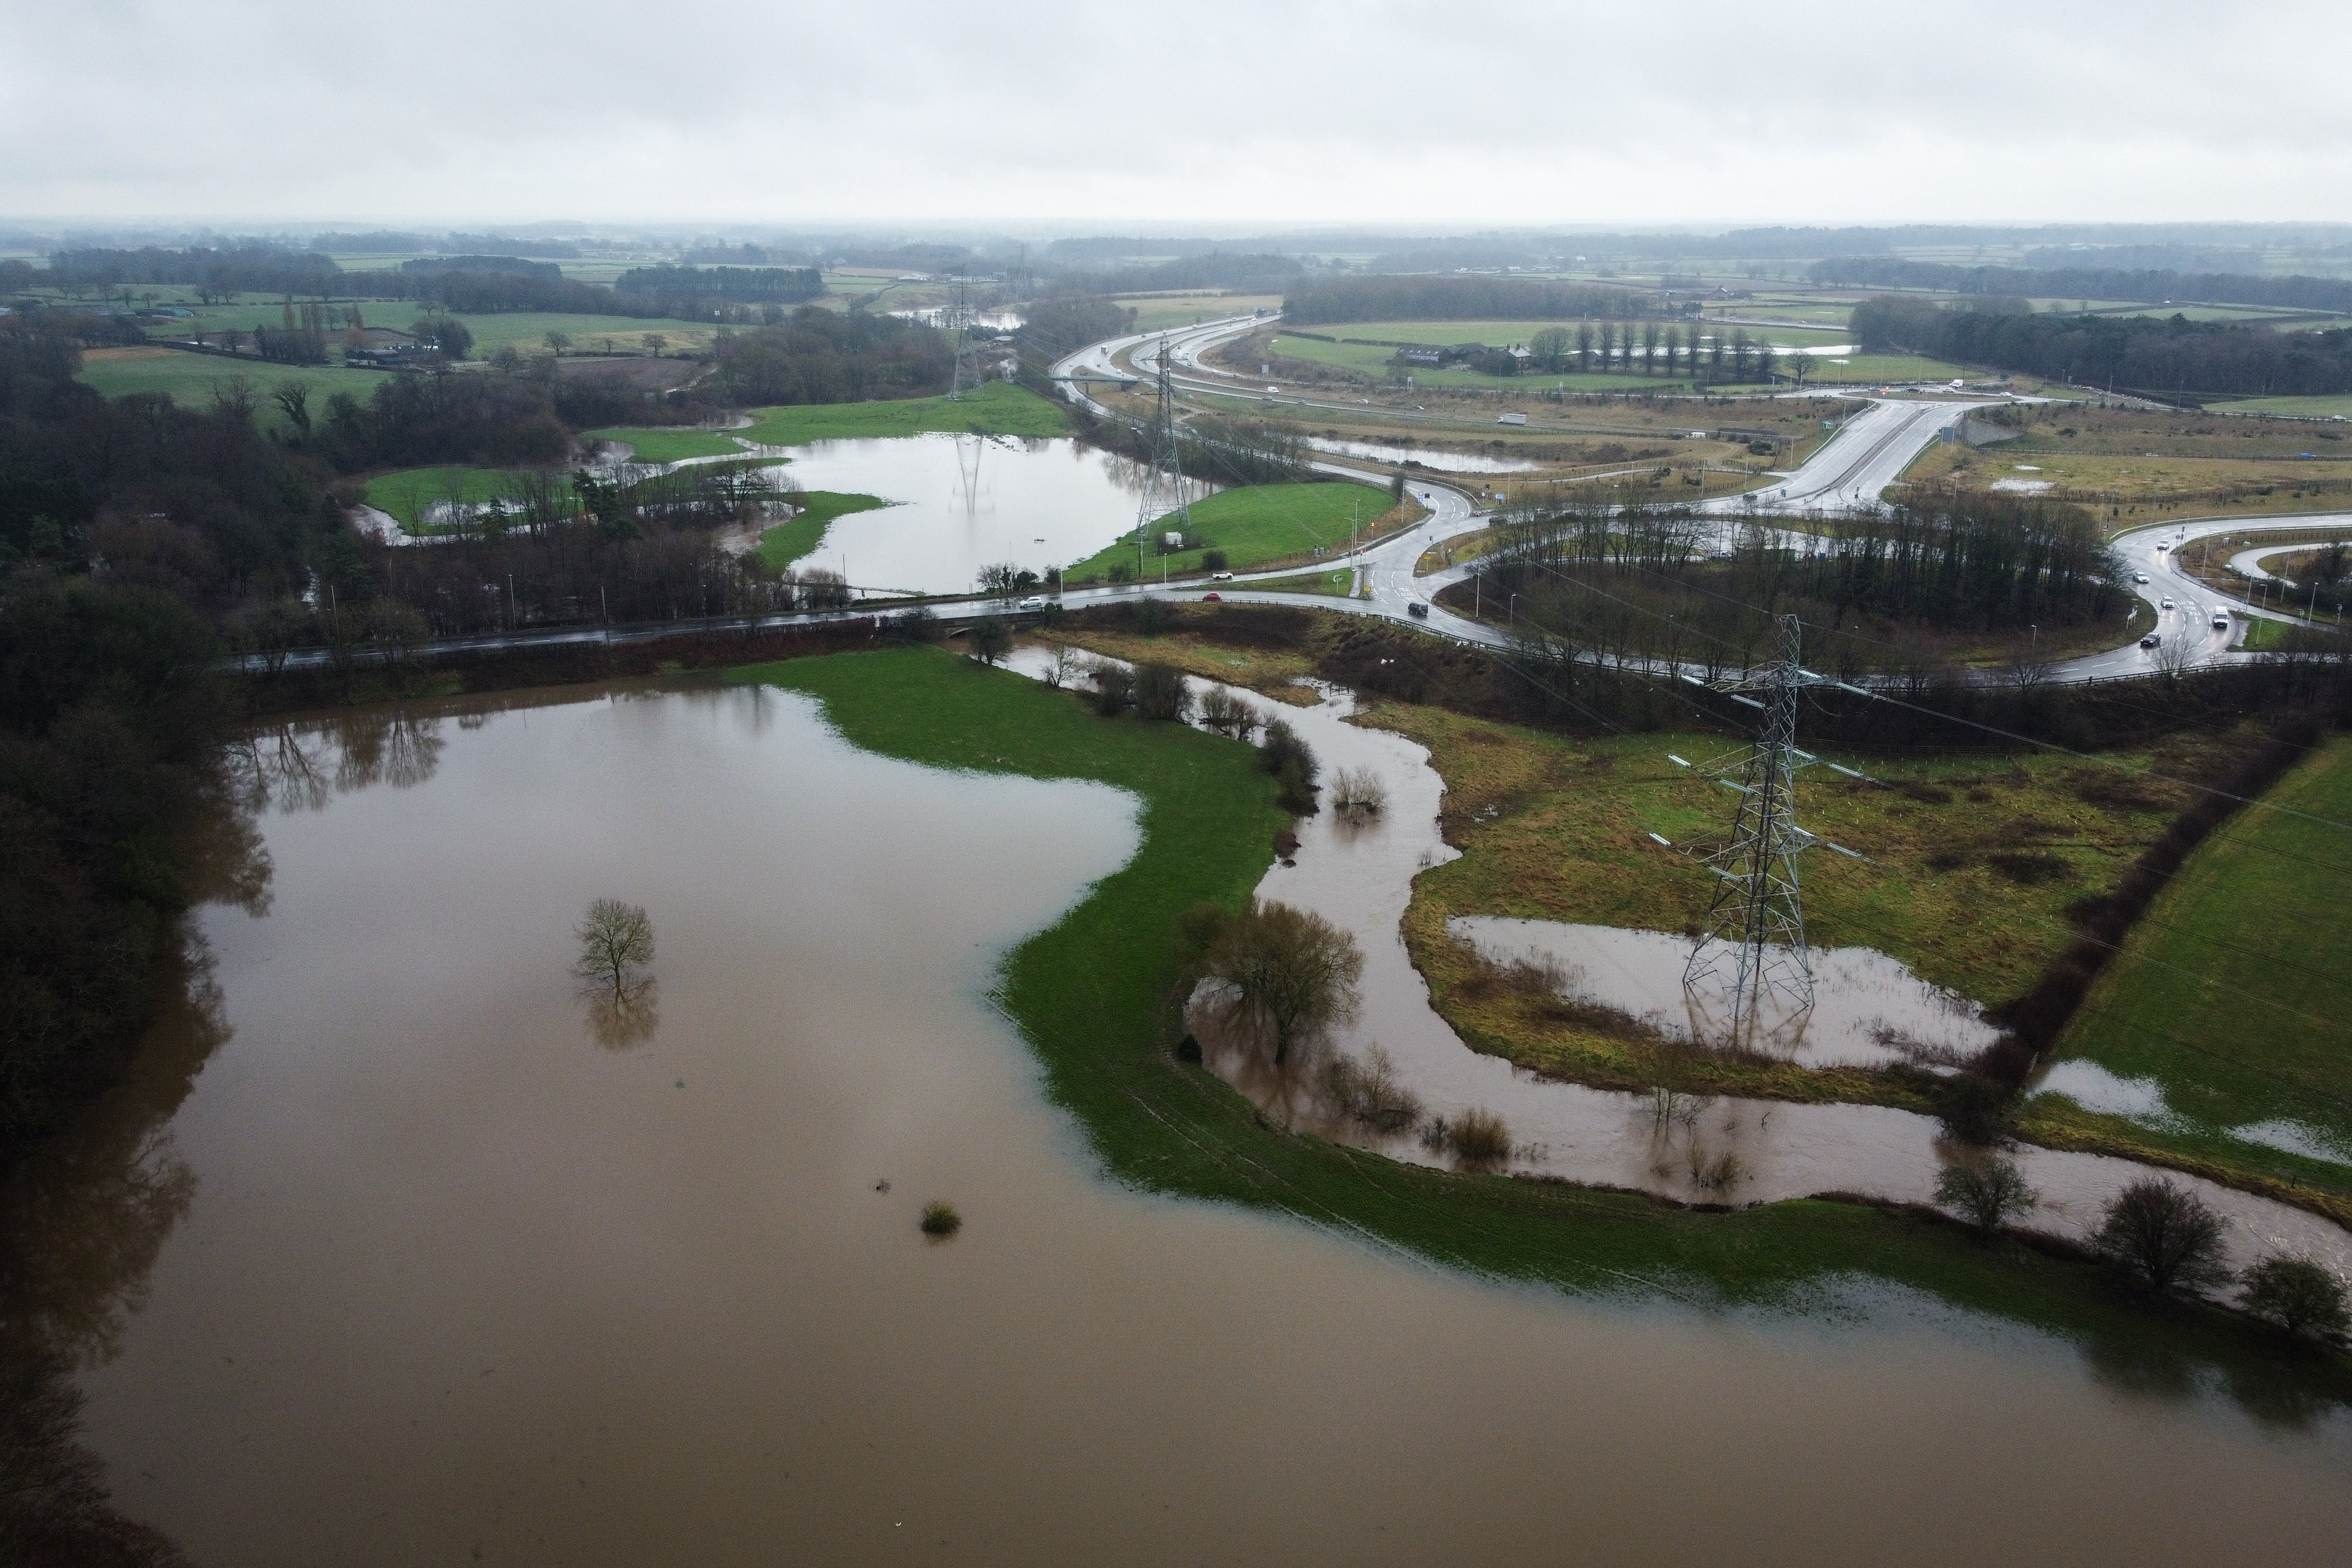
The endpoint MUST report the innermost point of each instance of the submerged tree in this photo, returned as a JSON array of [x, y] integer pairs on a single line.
[[617, 943], [1287, 974]]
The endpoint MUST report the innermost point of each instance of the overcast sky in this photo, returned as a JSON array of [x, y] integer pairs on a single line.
[[1094, 116]]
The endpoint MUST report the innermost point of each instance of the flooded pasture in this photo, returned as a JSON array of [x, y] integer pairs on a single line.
[[1426, 457], [963, 502], [386, 1256]]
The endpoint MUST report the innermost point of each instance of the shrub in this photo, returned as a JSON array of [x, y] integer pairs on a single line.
[[1359, 793], [920, 625], [1227, 714], [1121, 572], [1212, 561], [940, 1219], [990, 638], [1368, 1092], [1286, 974], [1479, 1138], [1150, 616], [2299, 1295], [1160, 693], [2161, 1235], [1988, 1194]]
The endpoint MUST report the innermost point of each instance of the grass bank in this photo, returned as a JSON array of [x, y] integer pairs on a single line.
[[189, 379], [789, 542], [996, 408], [1258, 524], [1089, 994], [2232, 1000]]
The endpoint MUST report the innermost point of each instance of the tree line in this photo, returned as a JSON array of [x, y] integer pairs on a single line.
[[1412, 297], [1651, 347], [476, 285], [2145, 285], [2170, 359]]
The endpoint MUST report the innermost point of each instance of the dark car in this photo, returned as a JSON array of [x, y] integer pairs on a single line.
[[1417, 609], [2150, 641]]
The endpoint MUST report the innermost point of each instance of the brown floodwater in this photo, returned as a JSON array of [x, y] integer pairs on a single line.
[[385, 1255]]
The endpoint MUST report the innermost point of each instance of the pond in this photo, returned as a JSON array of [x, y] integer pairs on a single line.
[[385, 1257], [964, 502], [1427, 456]]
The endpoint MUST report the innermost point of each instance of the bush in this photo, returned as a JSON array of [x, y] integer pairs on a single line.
[[1160, 693], [2161, 1235], [1479, 1138], [1359, 793], [2299, 1295], [990, 638], [1369, 1092], [1150, 616], [1212, 561], [916, 625], [1988, 1194], [1227, 714], [941, 1220], [1121, 572]]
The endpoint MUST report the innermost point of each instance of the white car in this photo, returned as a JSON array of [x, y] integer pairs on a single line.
[[2140, 576], [1221, 577], [1034, 601], [2168, 604]]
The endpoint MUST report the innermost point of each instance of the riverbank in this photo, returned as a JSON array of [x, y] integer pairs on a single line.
[[1092, 994]]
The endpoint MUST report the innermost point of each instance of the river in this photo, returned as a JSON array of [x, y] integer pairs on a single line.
[[385, 1256]]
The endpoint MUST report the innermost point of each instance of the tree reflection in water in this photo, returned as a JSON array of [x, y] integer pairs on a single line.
[[625, 1015], [301, 765]]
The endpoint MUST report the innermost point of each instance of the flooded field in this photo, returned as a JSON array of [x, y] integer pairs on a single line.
[[963, 502], [387, 1256]]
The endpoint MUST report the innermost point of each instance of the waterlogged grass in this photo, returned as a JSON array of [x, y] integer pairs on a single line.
[[1339, 584], [1090, 996], [2233, 995], [996, 408], [788, 542], [658, 444], [409, 493], [1257, 523]]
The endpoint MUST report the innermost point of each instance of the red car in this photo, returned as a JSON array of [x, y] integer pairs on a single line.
[[1212, 599]]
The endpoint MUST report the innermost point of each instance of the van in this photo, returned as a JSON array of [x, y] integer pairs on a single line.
[[2220, 620], [1417, 609]]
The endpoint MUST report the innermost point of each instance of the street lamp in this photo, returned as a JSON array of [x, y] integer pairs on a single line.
[[1513, 610]]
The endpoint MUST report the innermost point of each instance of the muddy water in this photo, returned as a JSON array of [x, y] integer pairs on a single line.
[[1359, 874], [1868, 1010], [385, 1258], [1427, 456], [963, 502]]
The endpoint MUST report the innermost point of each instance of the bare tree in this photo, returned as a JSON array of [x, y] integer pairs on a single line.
[[293, 399], [617, 943], [2162, 1236], [2299, 1295], [1060, 665], [1987, 1193], [1287, 974], [1358, 792]]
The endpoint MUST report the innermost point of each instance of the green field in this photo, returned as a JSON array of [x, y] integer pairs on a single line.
[[408, 493], [788, 542], [1255, 524], [1087, 995], [996, 408], [2233, 996], [660, 443], [189, 379], [2309, 407]]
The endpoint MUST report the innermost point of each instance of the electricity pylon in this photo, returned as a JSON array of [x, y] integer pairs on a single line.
[[1753, 942], [1163, 482], [967, 353]]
